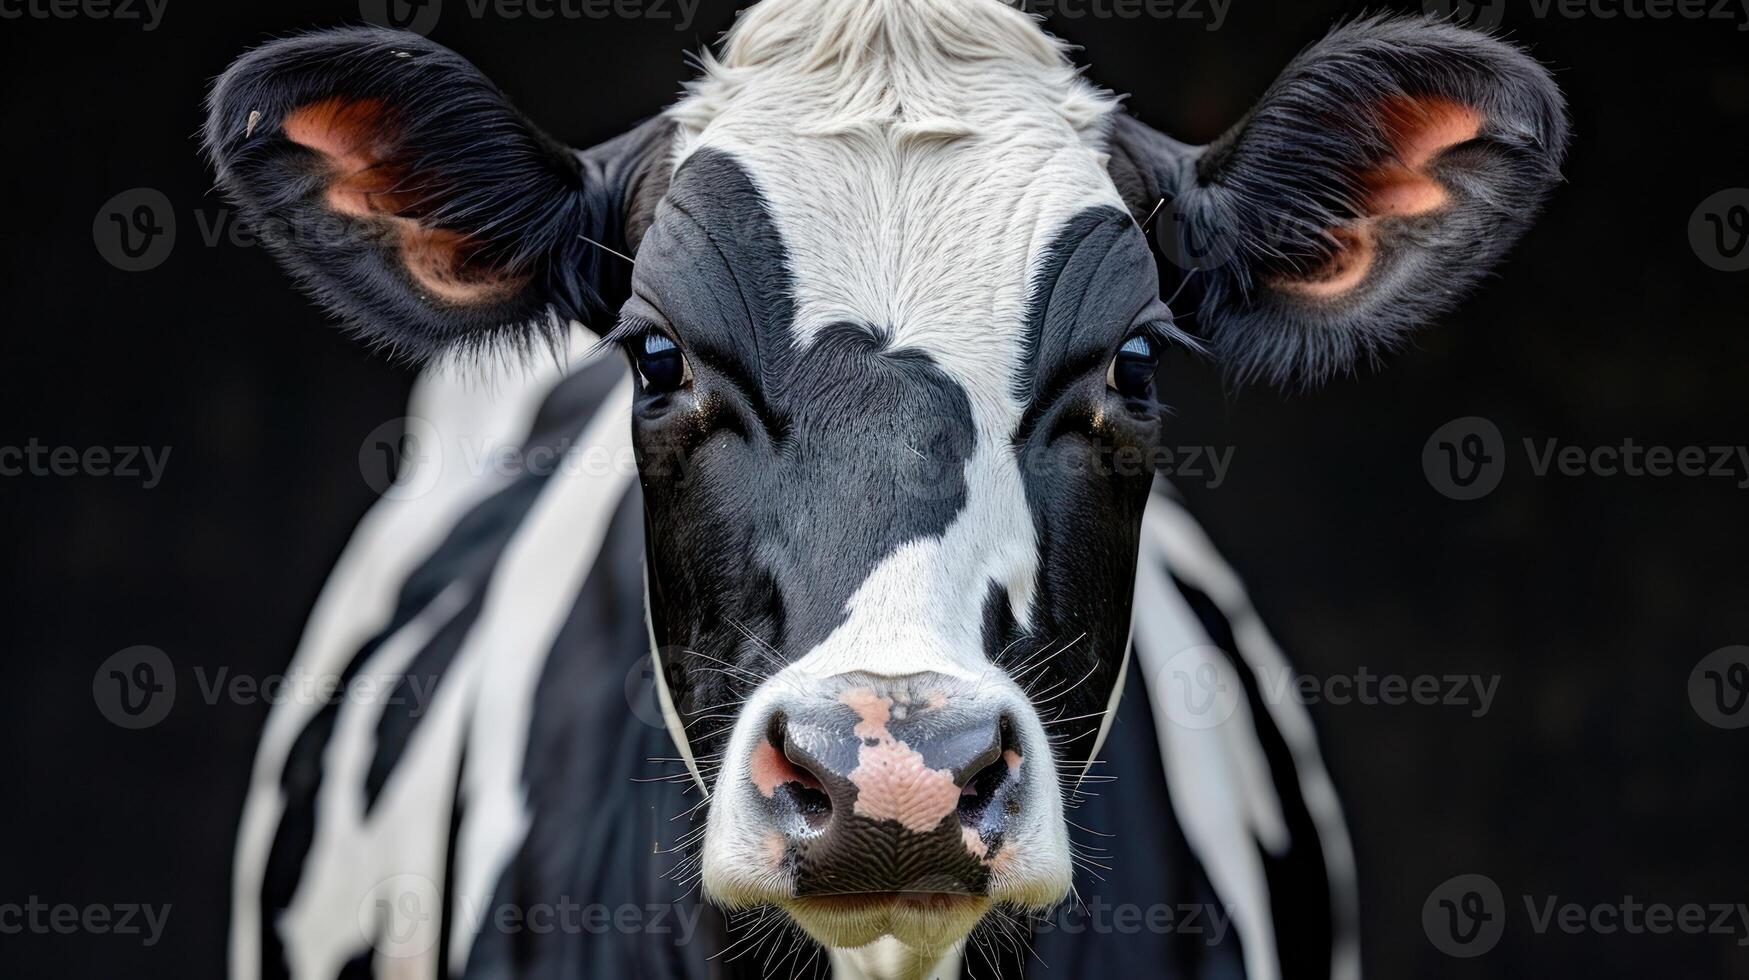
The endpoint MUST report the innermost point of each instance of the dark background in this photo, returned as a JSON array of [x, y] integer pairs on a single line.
[[1591, 598]]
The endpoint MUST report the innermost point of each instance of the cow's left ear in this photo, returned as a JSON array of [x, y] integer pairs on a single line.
[[402, 189], [1387, 169]]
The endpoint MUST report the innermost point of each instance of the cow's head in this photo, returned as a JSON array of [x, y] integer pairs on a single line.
[[895, 319]]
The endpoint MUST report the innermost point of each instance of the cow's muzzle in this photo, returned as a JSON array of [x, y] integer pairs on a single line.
[[890, 785]]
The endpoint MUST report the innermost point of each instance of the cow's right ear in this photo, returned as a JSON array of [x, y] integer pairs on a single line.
[[402, 189]]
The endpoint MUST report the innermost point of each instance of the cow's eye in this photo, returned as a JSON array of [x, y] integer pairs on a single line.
[[661, 363], [1132, 371]]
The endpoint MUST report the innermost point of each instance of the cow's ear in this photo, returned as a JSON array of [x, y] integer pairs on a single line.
[[404, 191], [1386, 170]]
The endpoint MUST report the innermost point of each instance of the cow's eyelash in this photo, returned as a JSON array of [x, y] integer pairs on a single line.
[[1165, 335], [630, 327]]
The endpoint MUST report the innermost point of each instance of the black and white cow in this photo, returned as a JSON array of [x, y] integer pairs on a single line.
[[874, 500]]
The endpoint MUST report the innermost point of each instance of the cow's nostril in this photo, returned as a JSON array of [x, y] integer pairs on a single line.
[[799, 788], [987, 786]]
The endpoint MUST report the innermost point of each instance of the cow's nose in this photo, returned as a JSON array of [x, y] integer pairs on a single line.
[[891, 785]]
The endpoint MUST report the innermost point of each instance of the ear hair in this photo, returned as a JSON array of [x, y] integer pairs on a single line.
[[1380, 176], [402, 189]]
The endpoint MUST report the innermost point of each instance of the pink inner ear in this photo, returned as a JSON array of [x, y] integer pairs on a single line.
[[1418, 131], [357, 143]]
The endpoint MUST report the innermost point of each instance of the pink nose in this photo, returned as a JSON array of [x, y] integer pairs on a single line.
[[890, 785]]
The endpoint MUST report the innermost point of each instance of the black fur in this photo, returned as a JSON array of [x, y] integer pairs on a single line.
[[1258, 203], [474, 165]]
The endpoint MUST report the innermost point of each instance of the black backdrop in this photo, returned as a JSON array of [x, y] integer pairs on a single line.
[[1593, 777]]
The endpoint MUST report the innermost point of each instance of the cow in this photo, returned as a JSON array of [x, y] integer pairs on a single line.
[[819, 652]]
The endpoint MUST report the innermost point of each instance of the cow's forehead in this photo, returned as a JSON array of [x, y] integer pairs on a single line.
[[918, 164]]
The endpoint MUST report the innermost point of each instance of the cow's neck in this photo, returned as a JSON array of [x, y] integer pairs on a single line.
[[889, 959]]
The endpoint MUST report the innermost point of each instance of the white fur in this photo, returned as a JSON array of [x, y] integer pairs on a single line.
[[359, 597], [917, 156], [1172, 535]]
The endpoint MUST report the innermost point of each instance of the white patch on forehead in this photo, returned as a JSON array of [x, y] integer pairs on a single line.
[[918, 158]]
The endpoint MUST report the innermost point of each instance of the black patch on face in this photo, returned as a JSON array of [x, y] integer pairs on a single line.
[[1087, 471], [782, 477]]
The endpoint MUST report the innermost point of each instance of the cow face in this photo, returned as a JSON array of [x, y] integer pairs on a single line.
[[895, 328]]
